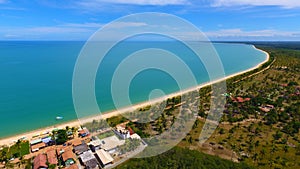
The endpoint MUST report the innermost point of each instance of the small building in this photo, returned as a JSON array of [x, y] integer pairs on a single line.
[[40, 161], [84, 132], [75, 142], [36, 141], [37, 147], [89, 160], [51, 157], [110, 144], [79, 149], [266, 108], [47, 140], [61, 150], [240, 99], [122, 132], [135, 136], [131, 132], [96, 143], [68, 158], [104, 157]]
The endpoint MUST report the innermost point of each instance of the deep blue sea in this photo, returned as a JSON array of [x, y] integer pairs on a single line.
[[36, 78]]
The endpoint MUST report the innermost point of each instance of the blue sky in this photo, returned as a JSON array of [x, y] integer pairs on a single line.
[[219, 19]]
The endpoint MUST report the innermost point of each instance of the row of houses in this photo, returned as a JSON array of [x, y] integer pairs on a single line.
[[40, 143], [89, 152]]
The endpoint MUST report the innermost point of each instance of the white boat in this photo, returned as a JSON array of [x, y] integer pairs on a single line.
[[59, 118]]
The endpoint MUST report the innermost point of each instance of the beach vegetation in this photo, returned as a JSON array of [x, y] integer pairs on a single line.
[[17, 150], [60, 136]]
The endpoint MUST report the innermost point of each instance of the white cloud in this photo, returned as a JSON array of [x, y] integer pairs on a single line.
[[83, 25], [143, 2], [281, 3], [62, 30], [253, 35], [127, 24]]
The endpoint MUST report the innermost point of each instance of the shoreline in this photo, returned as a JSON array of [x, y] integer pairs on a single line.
[[78, 122]]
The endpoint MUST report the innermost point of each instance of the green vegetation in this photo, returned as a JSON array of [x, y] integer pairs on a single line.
[[61, 136], [182, 158], [106, 134], [261, 131], [130, 145], [17, 150]]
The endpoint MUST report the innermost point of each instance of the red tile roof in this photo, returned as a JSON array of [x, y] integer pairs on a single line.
[[51, 156], [38, 146], [40, 161], [68, 155], [131, 132]]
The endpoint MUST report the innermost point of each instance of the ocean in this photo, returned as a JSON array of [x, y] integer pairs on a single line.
[[36, 78]]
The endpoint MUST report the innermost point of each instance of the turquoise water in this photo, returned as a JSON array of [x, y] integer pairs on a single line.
[[36, 78]]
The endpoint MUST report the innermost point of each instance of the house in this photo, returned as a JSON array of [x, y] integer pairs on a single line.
[[66, 155], [83, 132], [68, 158], [89, 160], [61, 150], [40, 161], [121, 132], [36, 141], [51, 157], [131, 132], [240, 99], [104, 157], [47, 140], [135, 136], [266, 108], [111, 143], [75, 142], [37, 147], [96, 143], [79, 149]]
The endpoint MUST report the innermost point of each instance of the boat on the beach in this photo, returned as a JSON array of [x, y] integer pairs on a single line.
[[59, 117]]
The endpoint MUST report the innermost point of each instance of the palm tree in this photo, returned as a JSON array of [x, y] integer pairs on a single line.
[[233, 148], [263, 152], [255, 158], [286, 148], [19, 147], [74, 130]]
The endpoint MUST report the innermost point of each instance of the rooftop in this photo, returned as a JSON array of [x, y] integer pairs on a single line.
[[68, 155], [89, 159], [104, 157], [76, 142], [36, 147], [51, 156], [35, 141], [86, 156], [111, 142], [40, 161], [81, 148]]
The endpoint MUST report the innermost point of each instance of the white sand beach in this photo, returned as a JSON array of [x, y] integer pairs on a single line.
[[77, 123]]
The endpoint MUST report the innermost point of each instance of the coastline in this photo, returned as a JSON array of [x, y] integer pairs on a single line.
[[76, 123]]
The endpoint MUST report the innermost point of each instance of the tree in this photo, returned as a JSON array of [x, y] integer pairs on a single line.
[[222, 131], [255, 157], [62, 137]]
